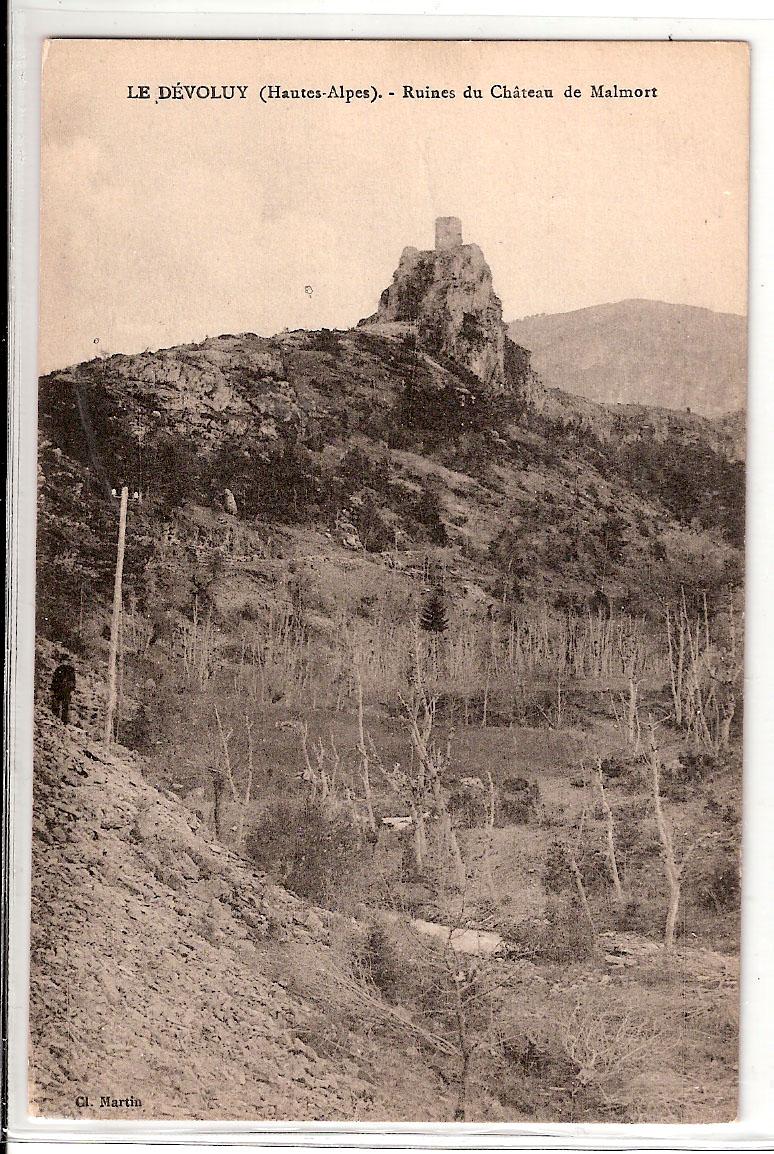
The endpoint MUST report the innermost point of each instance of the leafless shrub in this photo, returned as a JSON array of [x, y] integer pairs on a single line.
[[607, 1044]]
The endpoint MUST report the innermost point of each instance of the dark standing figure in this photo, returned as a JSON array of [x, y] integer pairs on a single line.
[[599, 602], [62, 686], [218, 798]]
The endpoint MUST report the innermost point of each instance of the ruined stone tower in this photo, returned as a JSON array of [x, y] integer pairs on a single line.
[[444, 298], [448, 232]]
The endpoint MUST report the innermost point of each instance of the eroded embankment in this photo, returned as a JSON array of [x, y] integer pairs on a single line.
[[157, 967]]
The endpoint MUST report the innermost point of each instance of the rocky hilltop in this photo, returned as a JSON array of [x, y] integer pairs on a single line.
[[444, 297], [425, 426]]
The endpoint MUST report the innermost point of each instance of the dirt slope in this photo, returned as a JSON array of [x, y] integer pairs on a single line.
[[165, 971]]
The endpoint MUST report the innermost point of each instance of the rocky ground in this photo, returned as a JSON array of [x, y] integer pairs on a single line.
[[150, 977]]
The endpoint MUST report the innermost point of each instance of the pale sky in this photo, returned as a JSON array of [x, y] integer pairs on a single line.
[[166, 222]]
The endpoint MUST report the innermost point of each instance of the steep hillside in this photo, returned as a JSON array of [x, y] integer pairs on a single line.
[[642, 352], [360, 429], [166, 975]]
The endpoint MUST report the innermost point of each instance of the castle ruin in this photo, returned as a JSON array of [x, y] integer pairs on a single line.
[[444, 298], [448, 232]]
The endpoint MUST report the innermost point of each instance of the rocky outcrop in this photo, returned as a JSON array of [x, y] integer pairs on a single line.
[[132, 416], [632, 424], [446, 294]]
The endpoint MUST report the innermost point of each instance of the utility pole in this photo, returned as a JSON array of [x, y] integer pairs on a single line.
[[116, 622]]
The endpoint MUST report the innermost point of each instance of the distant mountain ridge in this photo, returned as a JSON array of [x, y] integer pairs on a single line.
[[641, 352]]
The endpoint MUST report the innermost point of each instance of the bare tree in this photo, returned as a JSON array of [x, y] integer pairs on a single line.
[[363, 748], [469, 984], [673, 869], [420, 788], [321, 766], [703, 676], [571, 860], [581, 890], [198, 646], [611, 858], [224, 780], [431, 762], [461, 983], [491, 812]]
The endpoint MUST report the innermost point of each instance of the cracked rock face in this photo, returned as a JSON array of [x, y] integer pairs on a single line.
[[447, 293]]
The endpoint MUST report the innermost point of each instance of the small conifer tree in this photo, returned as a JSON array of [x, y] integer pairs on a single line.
[[433, 618]]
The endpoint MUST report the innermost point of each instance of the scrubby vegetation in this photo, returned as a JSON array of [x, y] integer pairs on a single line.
[[451, 664]]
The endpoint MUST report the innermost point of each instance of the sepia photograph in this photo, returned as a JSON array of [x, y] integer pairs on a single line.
[[389, 607]]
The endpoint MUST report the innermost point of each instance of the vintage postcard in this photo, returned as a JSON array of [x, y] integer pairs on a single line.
[[390, 581]]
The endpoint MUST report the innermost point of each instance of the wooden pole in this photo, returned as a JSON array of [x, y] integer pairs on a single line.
[[115, 623], [671, 868]]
